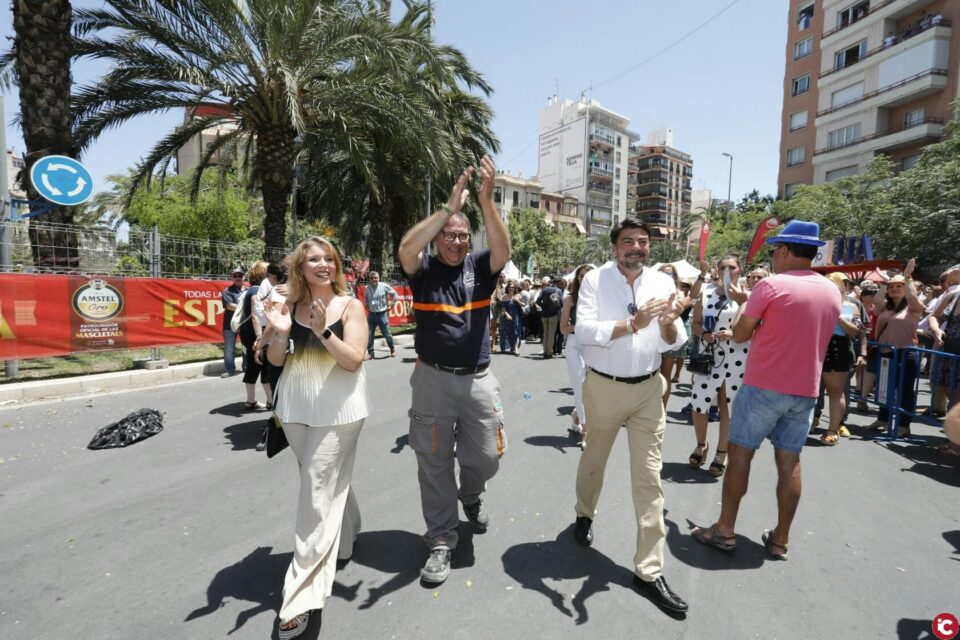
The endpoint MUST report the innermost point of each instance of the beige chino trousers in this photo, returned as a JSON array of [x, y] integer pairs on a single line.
[[608, 405]]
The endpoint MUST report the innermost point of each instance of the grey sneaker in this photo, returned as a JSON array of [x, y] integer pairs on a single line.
[[477, 515], [437, 567]]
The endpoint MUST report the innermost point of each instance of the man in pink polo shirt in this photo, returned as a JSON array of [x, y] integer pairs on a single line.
[[790, 318]]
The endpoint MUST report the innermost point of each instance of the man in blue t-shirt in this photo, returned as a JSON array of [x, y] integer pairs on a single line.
[[456, 399], [230, 297]]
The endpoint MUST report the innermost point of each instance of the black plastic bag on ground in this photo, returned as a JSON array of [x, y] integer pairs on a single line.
[[137, 426]]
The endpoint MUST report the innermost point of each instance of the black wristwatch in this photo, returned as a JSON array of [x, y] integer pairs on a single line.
[[326, 333]]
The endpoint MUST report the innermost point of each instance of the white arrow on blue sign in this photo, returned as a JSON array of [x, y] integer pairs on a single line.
[[62, 180]]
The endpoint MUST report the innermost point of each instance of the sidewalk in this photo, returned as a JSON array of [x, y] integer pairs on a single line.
[[132, 379]]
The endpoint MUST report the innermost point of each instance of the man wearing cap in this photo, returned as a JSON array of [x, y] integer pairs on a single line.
[[230, 297], [627, 316], [550, 304], [789, 317], [456, 399], [378, 296]]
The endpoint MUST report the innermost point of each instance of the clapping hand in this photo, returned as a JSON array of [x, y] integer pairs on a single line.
[[488, 173], [648, 311], [278, 317], [671, 310], [459, 193], [318, 317]]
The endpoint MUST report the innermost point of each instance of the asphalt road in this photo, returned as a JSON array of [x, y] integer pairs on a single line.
[[188, 534]]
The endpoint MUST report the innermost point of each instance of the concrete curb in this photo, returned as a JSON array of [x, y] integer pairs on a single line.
[[135, 378]]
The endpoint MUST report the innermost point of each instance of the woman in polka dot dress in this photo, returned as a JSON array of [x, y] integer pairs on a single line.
[[713, 318]]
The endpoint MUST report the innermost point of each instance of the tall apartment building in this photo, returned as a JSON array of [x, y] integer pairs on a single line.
[[660, 179], [188, 156], [584, 153], [864, 78], [15, 165]]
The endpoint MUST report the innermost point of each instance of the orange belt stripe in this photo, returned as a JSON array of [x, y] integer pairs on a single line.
[[449, 308]]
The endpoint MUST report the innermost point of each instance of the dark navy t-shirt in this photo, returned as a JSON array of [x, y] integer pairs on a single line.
[[452, 309]]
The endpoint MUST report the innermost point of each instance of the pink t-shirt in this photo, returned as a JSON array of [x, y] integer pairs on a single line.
[[798, 311]]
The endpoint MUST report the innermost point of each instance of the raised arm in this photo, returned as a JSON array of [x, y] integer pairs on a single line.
[[913, 302], [498, 238], [416, 240]]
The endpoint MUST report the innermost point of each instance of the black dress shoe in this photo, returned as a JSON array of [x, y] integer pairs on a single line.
[[584, 531], [661, 594]]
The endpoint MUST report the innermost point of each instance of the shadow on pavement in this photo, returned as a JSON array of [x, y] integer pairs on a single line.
[[399, 553], [246, 434], [234, 409], [928, 462], [565, 410], [749, 554], [560, 443], [564, 390], [908, 629], [953, 537], [683, 473], [537, 564], [400, 443], [257, 578], [679, 417]]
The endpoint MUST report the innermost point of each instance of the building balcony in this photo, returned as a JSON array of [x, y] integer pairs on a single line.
[[632, 178], [941, 31], [604, 142], [879, 10], [599, 187], [888, 140], [599, 202], [646, 192], [906, 90], [603, 174]]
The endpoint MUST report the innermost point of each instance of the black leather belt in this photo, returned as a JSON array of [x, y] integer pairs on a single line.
[[633, 380], [457, 371]]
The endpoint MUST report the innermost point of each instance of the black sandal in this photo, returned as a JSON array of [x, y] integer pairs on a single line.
[[699, 455], [716, 467]]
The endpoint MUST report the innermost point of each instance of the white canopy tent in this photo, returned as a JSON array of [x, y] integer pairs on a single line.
[[511, 272], [686, 272]]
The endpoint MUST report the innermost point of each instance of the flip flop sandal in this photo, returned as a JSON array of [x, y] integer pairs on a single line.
[[830, 439], [844, 432], [715, 540], [769, 544], [300, 623], [699, 455]]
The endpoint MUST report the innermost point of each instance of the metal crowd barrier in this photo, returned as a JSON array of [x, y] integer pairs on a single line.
[[888, 389]]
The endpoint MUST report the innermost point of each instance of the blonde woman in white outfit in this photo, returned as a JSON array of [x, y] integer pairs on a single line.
[[322, 402], [575, 366]]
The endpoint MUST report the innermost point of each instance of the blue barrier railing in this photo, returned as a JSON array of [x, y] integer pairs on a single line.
[[892, 366]]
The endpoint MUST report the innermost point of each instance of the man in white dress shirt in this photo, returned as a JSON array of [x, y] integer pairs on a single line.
[[627, 316]]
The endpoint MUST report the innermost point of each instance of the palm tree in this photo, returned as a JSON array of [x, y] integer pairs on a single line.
[[41, 68], [445, 128], [275, 71], [693, 222]]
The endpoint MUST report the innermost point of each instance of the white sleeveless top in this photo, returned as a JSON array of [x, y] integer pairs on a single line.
[[314, 390]]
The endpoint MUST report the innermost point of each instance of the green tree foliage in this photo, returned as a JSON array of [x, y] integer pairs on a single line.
[[223, 210], [555, 250], [270, 73]]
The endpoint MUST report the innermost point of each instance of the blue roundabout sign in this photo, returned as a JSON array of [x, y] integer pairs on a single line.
[[62, 180]]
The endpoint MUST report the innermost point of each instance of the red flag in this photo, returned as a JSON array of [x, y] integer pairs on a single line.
[[763, 230], [704, 234]]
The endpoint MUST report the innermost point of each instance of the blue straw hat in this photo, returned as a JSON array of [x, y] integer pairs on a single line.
[[799, 232]]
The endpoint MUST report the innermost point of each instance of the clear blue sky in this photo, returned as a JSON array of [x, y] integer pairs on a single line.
[[720, 89]]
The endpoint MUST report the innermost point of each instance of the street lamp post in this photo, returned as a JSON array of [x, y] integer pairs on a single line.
[[729, 182]]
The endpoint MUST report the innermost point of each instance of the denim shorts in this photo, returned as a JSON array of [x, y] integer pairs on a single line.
[[759, 414]]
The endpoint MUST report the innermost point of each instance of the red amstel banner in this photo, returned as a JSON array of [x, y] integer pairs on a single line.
[[48, 315], [766, 226]]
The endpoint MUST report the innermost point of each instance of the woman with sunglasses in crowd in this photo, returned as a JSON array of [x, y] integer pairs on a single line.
[[713, 317], [899, 311]]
